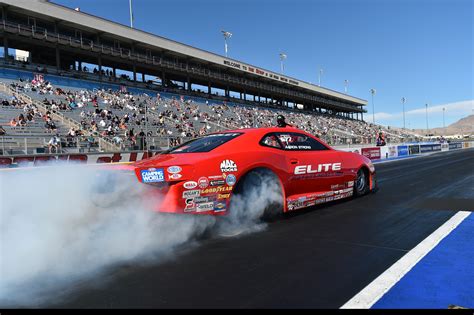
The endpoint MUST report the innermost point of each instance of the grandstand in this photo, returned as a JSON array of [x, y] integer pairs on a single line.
[[99, 110]]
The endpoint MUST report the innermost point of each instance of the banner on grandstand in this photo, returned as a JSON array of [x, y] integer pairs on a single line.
[[444, 146], [371, 153]]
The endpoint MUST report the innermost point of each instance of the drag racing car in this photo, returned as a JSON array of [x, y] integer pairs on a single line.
[[204, 175]]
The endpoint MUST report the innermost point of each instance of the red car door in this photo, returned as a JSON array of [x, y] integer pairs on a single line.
[[311, 166]]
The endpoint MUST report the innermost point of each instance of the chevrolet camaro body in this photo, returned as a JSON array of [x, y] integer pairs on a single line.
[[199, 177]]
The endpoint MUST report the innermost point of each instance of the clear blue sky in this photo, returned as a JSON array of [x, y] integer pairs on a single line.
[[419, 49]]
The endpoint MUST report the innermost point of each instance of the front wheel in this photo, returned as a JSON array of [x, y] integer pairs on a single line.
[[361, 185]]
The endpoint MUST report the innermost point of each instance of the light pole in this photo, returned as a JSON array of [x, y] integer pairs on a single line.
[[283, 56], [319, 76], [131, 13], [373, 92], [346, 83], [403, 104], [444, 126], [227, 35], [426, 105]]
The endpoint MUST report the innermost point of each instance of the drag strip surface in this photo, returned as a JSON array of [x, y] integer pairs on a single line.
[[319, 257]]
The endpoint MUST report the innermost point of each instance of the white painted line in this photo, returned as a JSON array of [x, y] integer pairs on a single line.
[[383, 283]]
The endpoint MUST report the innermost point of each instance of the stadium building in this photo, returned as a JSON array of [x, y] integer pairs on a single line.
[[62, 40]]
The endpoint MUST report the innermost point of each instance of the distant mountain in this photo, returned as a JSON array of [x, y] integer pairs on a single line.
[[462, 126]]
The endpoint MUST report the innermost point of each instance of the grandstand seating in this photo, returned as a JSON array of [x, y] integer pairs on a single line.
[[171, 117]]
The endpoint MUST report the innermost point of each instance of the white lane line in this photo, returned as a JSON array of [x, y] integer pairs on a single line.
[[377, 288]]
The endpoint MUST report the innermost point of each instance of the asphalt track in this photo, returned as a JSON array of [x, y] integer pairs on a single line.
[[318, 258]]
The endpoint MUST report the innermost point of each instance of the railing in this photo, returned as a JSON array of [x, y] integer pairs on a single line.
[[58, 116], [90, 45], [39, 144]]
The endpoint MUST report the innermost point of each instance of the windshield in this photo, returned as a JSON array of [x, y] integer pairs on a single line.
[[204, 144]]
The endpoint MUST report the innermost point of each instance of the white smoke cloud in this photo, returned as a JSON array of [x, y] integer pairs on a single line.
[[53, 233]]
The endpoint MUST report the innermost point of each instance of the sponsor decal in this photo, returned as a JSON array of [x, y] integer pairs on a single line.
[[228, 166], [209, 206], [190, 205], [218, 182], [216, 190], [331, 198], [350, 183], [175, 176], [153, 175], [216, 177], [230, 180], [223, 196], [174, 169], [191, 193], [199, 200], [219, 206], [337, 186], [190, 185], [203, 182], [308, 169]]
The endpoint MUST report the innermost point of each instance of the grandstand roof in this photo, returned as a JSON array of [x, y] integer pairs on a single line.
[[91, 23]]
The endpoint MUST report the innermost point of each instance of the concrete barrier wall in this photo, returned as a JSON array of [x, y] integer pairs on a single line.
[[403, 150], [373, 153]]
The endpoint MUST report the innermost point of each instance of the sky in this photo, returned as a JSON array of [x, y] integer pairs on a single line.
[[418, 49]]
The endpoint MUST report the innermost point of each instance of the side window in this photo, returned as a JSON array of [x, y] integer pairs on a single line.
[[271, 141], [299, 142]]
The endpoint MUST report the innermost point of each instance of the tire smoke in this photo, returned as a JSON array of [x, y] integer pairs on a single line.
[[56, 230]]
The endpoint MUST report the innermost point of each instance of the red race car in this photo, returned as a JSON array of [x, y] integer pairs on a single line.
[[204, 175]]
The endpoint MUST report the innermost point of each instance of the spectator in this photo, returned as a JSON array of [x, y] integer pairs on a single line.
[[54, 143]]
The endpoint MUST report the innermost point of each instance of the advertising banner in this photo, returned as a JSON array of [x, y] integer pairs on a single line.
[[392, 151], [414, 149], [90, 158], [371, 153], [424, 148], [444, 146], [456, 145], [402, 150]]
